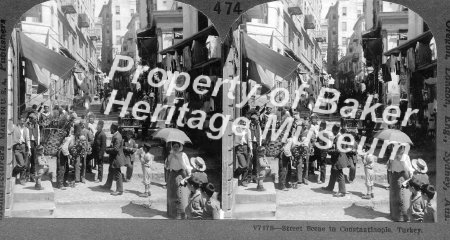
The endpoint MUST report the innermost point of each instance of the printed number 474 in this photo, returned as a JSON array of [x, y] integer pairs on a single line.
[[229, 6]]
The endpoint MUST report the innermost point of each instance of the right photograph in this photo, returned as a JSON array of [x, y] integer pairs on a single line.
[[350, 133]]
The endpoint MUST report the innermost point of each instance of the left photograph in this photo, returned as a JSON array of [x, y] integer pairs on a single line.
[[87, 132]]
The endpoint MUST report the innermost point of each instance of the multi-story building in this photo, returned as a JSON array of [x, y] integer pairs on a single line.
[[351, 67], [129, 46], [66, 27], [115, 16], [341, 18], [290, 28]]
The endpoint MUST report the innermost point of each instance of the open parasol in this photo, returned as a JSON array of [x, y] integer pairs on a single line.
[[172, 135], [393, 135]]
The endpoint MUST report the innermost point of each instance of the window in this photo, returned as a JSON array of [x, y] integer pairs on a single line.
[[117, 9], [344, 11], [132, 12], [344, 40], [118, 25], [359, 13], [344, 26], [118, 40]]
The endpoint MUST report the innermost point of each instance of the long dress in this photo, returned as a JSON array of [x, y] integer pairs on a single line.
[[399, 198], [177, 196]]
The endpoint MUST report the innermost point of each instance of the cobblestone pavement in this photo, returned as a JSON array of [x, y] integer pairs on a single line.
[[92, 193], [138, 209], [353, 212]]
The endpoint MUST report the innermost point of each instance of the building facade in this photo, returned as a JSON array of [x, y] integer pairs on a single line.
[[66, 27], [342, 16], [115, 16], [291, 29]]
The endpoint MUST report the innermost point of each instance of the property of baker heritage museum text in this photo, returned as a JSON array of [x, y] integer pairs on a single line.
[[139, 109]]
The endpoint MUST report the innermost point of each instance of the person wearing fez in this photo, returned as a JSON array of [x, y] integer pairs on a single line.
[[116, 160]]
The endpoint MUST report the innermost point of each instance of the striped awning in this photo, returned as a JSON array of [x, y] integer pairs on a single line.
[[268, 59], [46, 58]]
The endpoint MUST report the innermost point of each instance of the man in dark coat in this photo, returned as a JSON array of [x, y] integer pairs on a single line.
[[98, 149], [339, 161], [116, 160]]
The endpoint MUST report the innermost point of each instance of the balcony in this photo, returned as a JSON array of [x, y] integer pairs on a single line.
[[294, 10], [68, 6], [320, 39], [309, 22], [83, 20], [95, 34]]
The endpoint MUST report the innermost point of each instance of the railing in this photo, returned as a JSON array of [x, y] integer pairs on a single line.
[[68, 6]]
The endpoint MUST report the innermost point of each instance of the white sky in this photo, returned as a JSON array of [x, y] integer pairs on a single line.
[[326, 4], [99, 4]]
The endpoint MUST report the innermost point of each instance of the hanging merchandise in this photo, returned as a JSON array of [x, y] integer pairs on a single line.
[[187, 58], [431, 81], [411, 59], [177, 62], [213, 46], [423, 54], [393, 61], [199, 52], [433, 49], [385, 73], [425, 95]]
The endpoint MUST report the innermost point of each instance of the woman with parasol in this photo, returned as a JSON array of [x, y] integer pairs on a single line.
[[399, 170], [178, 168]]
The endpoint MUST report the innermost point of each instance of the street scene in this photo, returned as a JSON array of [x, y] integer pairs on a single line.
[[320, 110]]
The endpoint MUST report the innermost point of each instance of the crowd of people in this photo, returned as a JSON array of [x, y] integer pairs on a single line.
[[299, 159], [80, 147]]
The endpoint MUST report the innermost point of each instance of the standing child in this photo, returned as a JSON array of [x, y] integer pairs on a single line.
[[420, 170], [429, 197], [368, 159], [417, 206], [146, 159], [42, 167], [264, 168]]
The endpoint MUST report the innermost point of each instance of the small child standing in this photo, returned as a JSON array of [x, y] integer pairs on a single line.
[[264, 168], [429, 197], [146, 159], [368, 159], [417, 207], [42, 167]]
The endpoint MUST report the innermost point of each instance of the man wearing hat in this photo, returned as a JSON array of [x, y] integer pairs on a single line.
[[21, 147], [98, 149], [116, 161], [35, 140], [255, 134]]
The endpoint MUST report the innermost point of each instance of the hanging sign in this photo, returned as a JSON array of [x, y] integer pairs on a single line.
[[223, 13]]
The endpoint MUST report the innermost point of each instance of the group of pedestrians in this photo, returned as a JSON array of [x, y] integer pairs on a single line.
[[411, 196]]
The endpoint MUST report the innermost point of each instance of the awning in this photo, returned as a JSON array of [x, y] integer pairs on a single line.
[[46, 58], [423, 38], [259, 75], [269, 59], [37, 75], [187, 42]]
